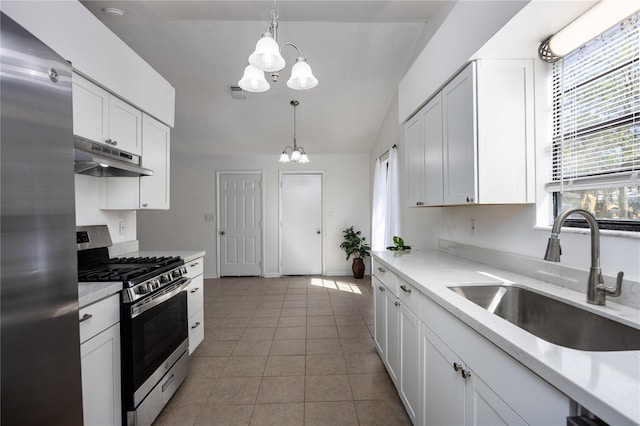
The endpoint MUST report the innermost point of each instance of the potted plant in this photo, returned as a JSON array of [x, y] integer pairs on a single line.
[[355, 245]]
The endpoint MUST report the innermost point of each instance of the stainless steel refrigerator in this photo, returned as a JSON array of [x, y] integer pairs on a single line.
[[40, 344]]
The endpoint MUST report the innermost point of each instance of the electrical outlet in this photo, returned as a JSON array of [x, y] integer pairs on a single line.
[[209, 217], [474, 227]]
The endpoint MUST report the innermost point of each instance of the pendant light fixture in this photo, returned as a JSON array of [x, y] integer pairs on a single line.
[[297, 152], [268, 58]]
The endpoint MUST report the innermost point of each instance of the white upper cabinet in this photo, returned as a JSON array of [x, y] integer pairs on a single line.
[[474, 138], [156, 147], [459, 137], [90, 110], [145, 192], [125, 126], [102, 117]]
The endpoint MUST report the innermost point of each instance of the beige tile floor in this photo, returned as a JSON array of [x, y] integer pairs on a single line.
[[286, 351]]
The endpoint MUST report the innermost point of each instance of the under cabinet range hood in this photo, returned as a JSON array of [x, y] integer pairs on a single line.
[[96, 159]]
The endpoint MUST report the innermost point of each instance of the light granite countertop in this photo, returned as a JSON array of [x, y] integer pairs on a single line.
[[607, 383]]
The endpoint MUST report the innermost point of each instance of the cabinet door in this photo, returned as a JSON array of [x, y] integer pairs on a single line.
[[154, 190], [380, 315], [433, 169], [459, 133], [484, 407], [195, 295], [393, 337], [443, 388], [410, 362], [90, 110], [196, 330], [100, 365], [125, 126], [414, 142]]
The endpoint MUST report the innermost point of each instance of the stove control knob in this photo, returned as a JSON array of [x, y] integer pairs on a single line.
[[176, 274], [165, 279], [154, 284], [183, 270], [142, 289]]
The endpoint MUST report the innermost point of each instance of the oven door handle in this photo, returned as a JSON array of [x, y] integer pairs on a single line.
[[145, 305]]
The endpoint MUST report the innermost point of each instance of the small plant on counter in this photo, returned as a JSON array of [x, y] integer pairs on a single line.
[[398, 244], [355, 245]]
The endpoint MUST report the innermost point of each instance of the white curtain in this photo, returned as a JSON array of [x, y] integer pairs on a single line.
[[392, 219], [379, 213]]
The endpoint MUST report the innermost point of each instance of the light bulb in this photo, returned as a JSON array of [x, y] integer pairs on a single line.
[[295, 156], [301, 76]]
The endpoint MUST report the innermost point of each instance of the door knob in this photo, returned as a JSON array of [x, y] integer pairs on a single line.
[[318, 232], [222, 232]]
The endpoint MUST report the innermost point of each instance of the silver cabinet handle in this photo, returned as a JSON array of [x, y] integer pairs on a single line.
[[381, 269], [145, 205], [222, 232], [469, 199], [405, 289], [195, 289], [381, 288], [86, 317], [397, 304], [465, 374], [457, 367], [196, 325], [194, 265]]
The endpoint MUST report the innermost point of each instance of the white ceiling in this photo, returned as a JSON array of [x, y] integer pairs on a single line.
[[359, 50]]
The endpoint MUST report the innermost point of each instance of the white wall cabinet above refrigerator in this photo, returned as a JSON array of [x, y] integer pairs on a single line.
[[473, 142], [145, 192], [102, 117]]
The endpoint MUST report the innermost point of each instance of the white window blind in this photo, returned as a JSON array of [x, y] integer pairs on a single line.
[[596, 113]]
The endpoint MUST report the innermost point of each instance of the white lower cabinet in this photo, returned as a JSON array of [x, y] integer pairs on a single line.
[[195, 302], [468, 380], [453, 394], [448, 374], [380, 309], [100, 362], [392, 355], [410, 362], [397, 335]]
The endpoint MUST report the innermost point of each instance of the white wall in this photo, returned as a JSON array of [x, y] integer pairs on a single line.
[[88, 210], [519, 229], [193, 195]]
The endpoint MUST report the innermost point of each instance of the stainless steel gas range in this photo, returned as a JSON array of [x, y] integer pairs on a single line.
[[153, 319]]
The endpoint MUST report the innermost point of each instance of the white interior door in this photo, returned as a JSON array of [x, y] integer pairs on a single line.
[[240, 204], [301, 224]]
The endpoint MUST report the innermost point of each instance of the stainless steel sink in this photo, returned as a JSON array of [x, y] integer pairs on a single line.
[[552, 320]]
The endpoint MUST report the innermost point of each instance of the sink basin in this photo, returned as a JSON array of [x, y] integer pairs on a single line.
[[552, 320]]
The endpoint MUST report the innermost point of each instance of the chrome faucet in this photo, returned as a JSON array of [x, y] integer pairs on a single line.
[[596, 290]]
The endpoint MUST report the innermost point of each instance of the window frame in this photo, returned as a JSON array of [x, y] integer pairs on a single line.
[[559, 185]]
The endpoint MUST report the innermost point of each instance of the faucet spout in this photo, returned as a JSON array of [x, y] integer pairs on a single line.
[[594, 294]]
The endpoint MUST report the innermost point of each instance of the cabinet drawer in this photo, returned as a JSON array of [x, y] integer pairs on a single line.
[[386, 276], [99, 316], [196, 330], [409, 296], [195, 267], [195, 296]]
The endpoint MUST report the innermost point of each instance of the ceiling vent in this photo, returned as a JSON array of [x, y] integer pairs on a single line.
[[237, 92]]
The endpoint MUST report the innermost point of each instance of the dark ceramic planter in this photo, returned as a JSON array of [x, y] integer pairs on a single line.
[[358, 267]]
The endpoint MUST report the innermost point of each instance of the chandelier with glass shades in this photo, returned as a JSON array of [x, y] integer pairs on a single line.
[[268, 58], [297, 152]]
